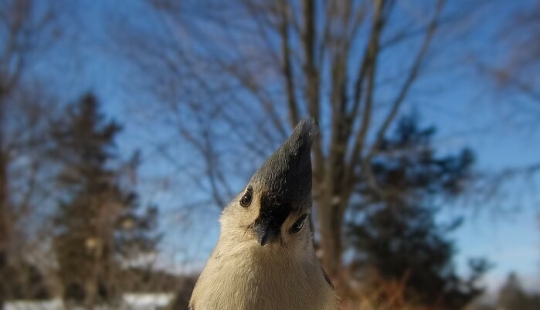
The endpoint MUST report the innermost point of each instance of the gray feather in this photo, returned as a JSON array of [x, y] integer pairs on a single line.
[[286, 174]]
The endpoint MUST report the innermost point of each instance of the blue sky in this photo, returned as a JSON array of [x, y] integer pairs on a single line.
[[460, 104]]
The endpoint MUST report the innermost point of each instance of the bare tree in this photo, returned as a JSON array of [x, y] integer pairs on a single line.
[[514, 79], [249, 70], [24, 30]]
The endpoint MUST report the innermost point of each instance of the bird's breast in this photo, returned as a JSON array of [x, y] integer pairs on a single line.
[[252, 280]]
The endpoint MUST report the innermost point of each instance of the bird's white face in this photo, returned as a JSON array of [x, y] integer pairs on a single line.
[[256, 216], [272, 211]]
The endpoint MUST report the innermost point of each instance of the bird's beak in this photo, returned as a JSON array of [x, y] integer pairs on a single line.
[[266, 233]]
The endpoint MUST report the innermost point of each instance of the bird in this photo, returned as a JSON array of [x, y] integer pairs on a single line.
[[264, 258]]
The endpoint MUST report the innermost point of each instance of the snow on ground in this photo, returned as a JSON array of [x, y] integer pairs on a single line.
[[54, 304], [147, 301], [130, 302]]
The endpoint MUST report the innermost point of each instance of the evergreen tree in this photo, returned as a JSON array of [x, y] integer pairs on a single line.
[[395, 235], [98, 224], [512, 296]]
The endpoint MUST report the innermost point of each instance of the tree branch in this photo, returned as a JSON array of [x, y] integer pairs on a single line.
[[368, 67], [287, 66], [413, 74], [311, 73]]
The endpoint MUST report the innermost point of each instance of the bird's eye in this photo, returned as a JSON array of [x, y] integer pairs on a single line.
[[245, 201], [297, 226]]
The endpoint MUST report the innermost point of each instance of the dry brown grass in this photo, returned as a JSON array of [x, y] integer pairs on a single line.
[[377, 293]]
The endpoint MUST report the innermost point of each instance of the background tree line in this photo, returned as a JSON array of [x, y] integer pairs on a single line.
[[97, 228]]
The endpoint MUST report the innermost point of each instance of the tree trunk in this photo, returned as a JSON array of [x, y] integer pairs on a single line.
[[91, 286], [90, 294], [330, 222]]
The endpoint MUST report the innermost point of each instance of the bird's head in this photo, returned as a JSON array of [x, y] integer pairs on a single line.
[[274, 207]]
